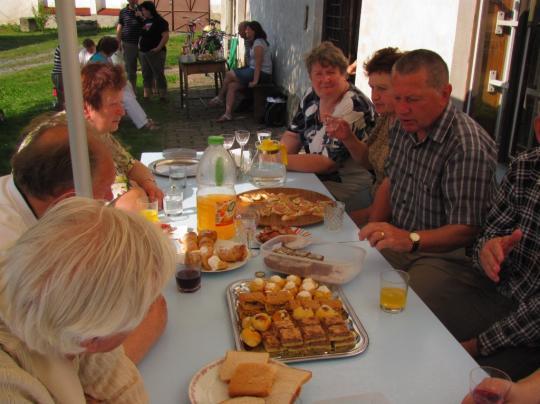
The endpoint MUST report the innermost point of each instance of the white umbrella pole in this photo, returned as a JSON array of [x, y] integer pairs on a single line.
[[71, 76]]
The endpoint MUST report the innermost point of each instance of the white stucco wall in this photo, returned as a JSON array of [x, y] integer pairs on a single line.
[[444, 26], [11, 12], [283, 21]]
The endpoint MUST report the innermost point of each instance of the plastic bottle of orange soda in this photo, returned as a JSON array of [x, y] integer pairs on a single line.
[[216, 197]]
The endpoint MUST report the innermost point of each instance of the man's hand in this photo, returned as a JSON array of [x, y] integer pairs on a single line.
[[471, 346], [252, 84], [382, 235], [495, 251], [156, 49]]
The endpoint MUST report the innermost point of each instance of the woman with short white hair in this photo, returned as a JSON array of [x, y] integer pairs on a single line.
[[77, 283]]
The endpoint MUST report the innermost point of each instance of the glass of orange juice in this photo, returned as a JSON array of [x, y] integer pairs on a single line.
[[394, 286], [148, 209]]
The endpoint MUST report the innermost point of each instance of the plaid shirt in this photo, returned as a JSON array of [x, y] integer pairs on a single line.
[[445, 179], [516, 205]]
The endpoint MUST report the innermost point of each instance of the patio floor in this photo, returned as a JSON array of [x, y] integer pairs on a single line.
[[192, 131]]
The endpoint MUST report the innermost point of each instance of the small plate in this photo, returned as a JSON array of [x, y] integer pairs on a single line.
[[206, 387], [297, 231]]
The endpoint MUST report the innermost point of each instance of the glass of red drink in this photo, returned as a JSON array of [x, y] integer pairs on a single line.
[[188, 277], [489, 385]]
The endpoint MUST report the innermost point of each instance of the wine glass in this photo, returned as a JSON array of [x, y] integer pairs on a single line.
[[489, 385], [242, 137], [228, 141]]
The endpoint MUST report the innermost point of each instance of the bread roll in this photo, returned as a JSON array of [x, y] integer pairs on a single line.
[[189, 242], [244, 400]]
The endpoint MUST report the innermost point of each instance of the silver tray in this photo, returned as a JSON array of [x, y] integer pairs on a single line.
[[353, 321], [161, 167]]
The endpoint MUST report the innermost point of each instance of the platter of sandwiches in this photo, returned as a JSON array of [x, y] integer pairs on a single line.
[[294, 319], [247, 378], [285, 206]]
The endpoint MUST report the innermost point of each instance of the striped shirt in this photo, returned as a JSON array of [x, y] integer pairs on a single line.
[[445, 179], [57, 62], [516, 205], [131, 25]]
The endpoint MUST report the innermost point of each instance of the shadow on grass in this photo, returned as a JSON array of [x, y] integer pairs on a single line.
[[11, 131], [10, 39], [16, 40]]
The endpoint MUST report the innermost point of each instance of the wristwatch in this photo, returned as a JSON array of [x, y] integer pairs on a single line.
[[415, 238]]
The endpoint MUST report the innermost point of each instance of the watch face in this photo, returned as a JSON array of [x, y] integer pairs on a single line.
[[414, 237]]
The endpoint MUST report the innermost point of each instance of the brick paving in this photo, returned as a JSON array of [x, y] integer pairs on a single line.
[[192, 132]]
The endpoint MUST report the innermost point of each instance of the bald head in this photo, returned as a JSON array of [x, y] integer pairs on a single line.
[[42, 168]]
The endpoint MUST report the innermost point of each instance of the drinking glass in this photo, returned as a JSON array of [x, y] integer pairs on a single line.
[[242, 137], [177, 176], [331, 124], [188, 277], [393, 293], [333, 216], [173, 202], [148, 209], [489, 385], [246, 226]]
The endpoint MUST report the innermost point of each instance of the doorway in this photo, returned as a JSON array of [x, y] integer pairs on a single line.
[[341, 24]]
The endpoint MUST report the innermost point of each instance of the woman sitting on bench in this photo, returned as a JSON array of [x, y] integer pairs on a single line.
[[258, 71]]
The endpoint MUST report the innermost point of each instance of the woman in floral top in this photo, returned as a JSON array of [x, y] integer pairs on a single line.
[[375, 152], [103, 108]]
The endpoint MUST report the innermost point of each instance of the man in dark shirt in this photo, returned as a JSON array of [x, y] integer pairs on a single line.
[[128, 32]]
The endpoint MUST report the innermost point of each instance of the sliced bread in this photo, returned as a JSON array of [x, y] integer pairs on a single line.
[[287, 384], [234, 358], [252, 379]]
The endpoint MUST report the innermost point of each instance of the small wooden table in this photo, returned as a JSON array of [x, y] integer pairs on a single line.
[[218, 67]]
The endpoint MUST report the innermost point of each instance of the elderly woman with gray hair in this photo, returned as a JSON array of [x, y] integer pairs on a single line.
[[71, 289]]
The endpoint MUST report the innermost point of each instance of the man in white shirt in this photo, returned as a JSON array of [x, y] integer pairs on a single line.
[[88, 50], [41, 177]]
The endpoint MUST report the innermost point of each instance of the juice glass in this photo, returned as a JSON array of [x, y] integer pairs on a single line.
[[148, 209], [216, 212], [394, 286]]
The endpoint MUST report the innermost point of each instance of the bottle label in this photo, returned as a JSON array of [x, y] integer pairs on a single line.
[[225, 212]]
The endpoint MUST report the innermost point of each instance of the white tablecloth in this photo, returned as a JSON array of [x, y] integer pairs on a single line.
[[411, 357]]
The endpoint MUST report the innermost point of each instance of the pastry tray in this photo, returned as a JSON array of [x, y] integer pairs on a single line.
[[352, 320]]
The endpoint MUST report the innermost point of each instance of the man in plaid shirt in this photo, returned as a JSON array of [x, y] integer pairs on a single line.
[[441, 172], [502, 327]]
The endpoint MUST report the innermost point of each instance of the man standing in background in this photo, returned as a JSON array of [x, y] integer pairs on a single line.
[[128, 32]]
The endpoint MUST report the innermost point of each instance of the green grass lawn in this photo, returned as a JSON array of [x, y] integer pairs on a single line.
[[27, 92]]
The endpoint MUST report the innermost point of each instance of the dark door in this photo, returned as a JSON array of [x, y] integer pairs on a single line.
[[179, 13], [341, 22]]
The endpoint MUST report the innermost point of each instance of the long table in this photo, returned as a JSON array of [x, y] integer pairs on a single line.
[[411, 357]]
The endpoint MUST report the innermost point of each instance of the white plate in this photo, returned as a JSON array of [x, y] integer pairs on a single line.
[[297, 231], [220, 243], [206, 387]]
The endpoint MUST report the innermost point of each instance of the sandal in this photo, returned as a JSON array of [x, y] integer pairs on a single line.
[[215, 102], [224, 118]]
